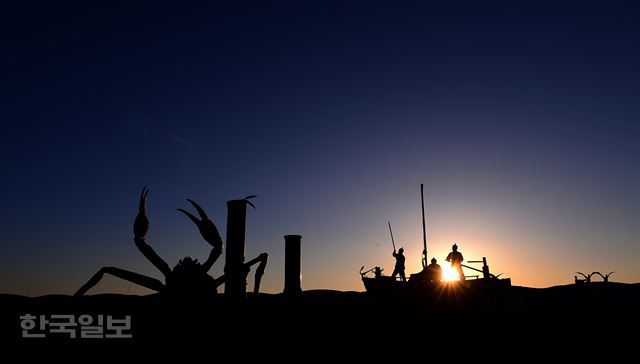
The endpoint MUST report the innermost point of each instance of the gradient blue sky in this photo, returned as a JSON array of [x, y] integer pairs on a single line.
[[520, 117]]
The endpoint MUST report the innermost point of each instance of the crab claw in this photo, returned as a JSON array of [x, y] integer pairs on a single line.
[[246, 199], [141, 223], [207, 228]]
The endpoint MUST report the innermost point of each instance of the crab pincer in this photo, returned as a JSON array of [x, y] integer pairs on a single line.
[[207, 228], [141, 223]]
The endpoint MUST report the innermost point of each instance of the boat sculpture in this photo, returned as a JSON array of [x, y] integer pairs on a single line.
[[420, 288]]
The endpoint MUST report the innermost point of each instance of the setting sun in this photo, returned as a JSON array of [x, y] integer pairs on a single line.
[[449, 274]]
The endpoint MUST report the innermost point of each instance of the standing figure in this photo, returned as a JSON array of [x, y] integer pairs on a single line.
[[456, 259], [399, 264]]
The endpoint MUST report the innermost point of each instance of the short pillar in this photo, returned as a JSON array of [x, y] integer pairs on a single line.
[[292, 245]]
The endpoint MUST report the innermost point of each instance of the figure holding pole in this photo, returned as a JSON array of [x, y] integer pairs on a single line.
[[399, 269]]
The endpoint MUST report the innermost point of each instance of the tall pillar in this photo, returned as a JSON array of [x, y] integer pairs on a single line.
[[236, 282]]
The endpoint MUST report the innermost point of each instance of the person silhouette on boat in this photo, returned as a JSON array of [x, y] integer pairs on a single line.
[[378, 272], [399, 264], [456, 259], [434, 272]]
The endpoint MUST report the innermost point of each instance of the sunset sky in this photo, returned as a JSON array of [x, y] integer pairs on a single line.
[[521, 119]]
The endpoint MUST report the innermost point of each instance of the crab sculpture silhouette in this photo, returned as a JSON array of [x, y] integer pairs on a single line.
[[188, 277]]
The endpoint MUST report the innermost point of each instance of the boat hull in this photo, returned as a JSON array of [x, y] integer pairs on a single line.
[[456, 294]]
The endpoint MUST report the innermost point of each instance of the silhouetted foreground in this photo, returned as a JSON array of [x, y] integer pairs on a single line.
[[189, 277], [562, 311]]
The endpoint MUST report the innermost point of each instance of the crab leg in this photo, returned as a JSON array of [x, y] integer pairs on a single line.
[[132, 277], [262, 259]]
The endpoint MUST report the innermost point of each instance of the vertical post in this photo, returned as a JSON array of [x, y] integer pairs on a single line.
[[424, 229], [292, 247], [485, 268], [236, 284]]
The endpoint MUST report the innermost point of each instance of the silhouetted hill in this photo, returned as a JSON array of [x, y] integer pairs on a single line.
[[561, 311]]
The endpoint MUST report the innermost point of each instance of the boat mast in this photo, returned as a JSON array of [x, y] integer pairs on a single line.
[[424, 229]]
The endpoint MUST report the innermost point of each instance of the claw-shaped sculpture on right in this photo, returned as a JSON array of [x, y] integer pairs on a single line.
[[587, 277], [189, 277], [605, 277]]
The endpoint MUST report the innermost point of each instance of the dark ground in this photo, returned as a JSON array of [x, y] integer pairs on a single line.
[[594, 315]]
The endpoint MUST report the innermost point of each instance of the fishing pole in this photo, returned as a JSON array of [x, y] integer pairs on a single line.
[[392, 241]]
